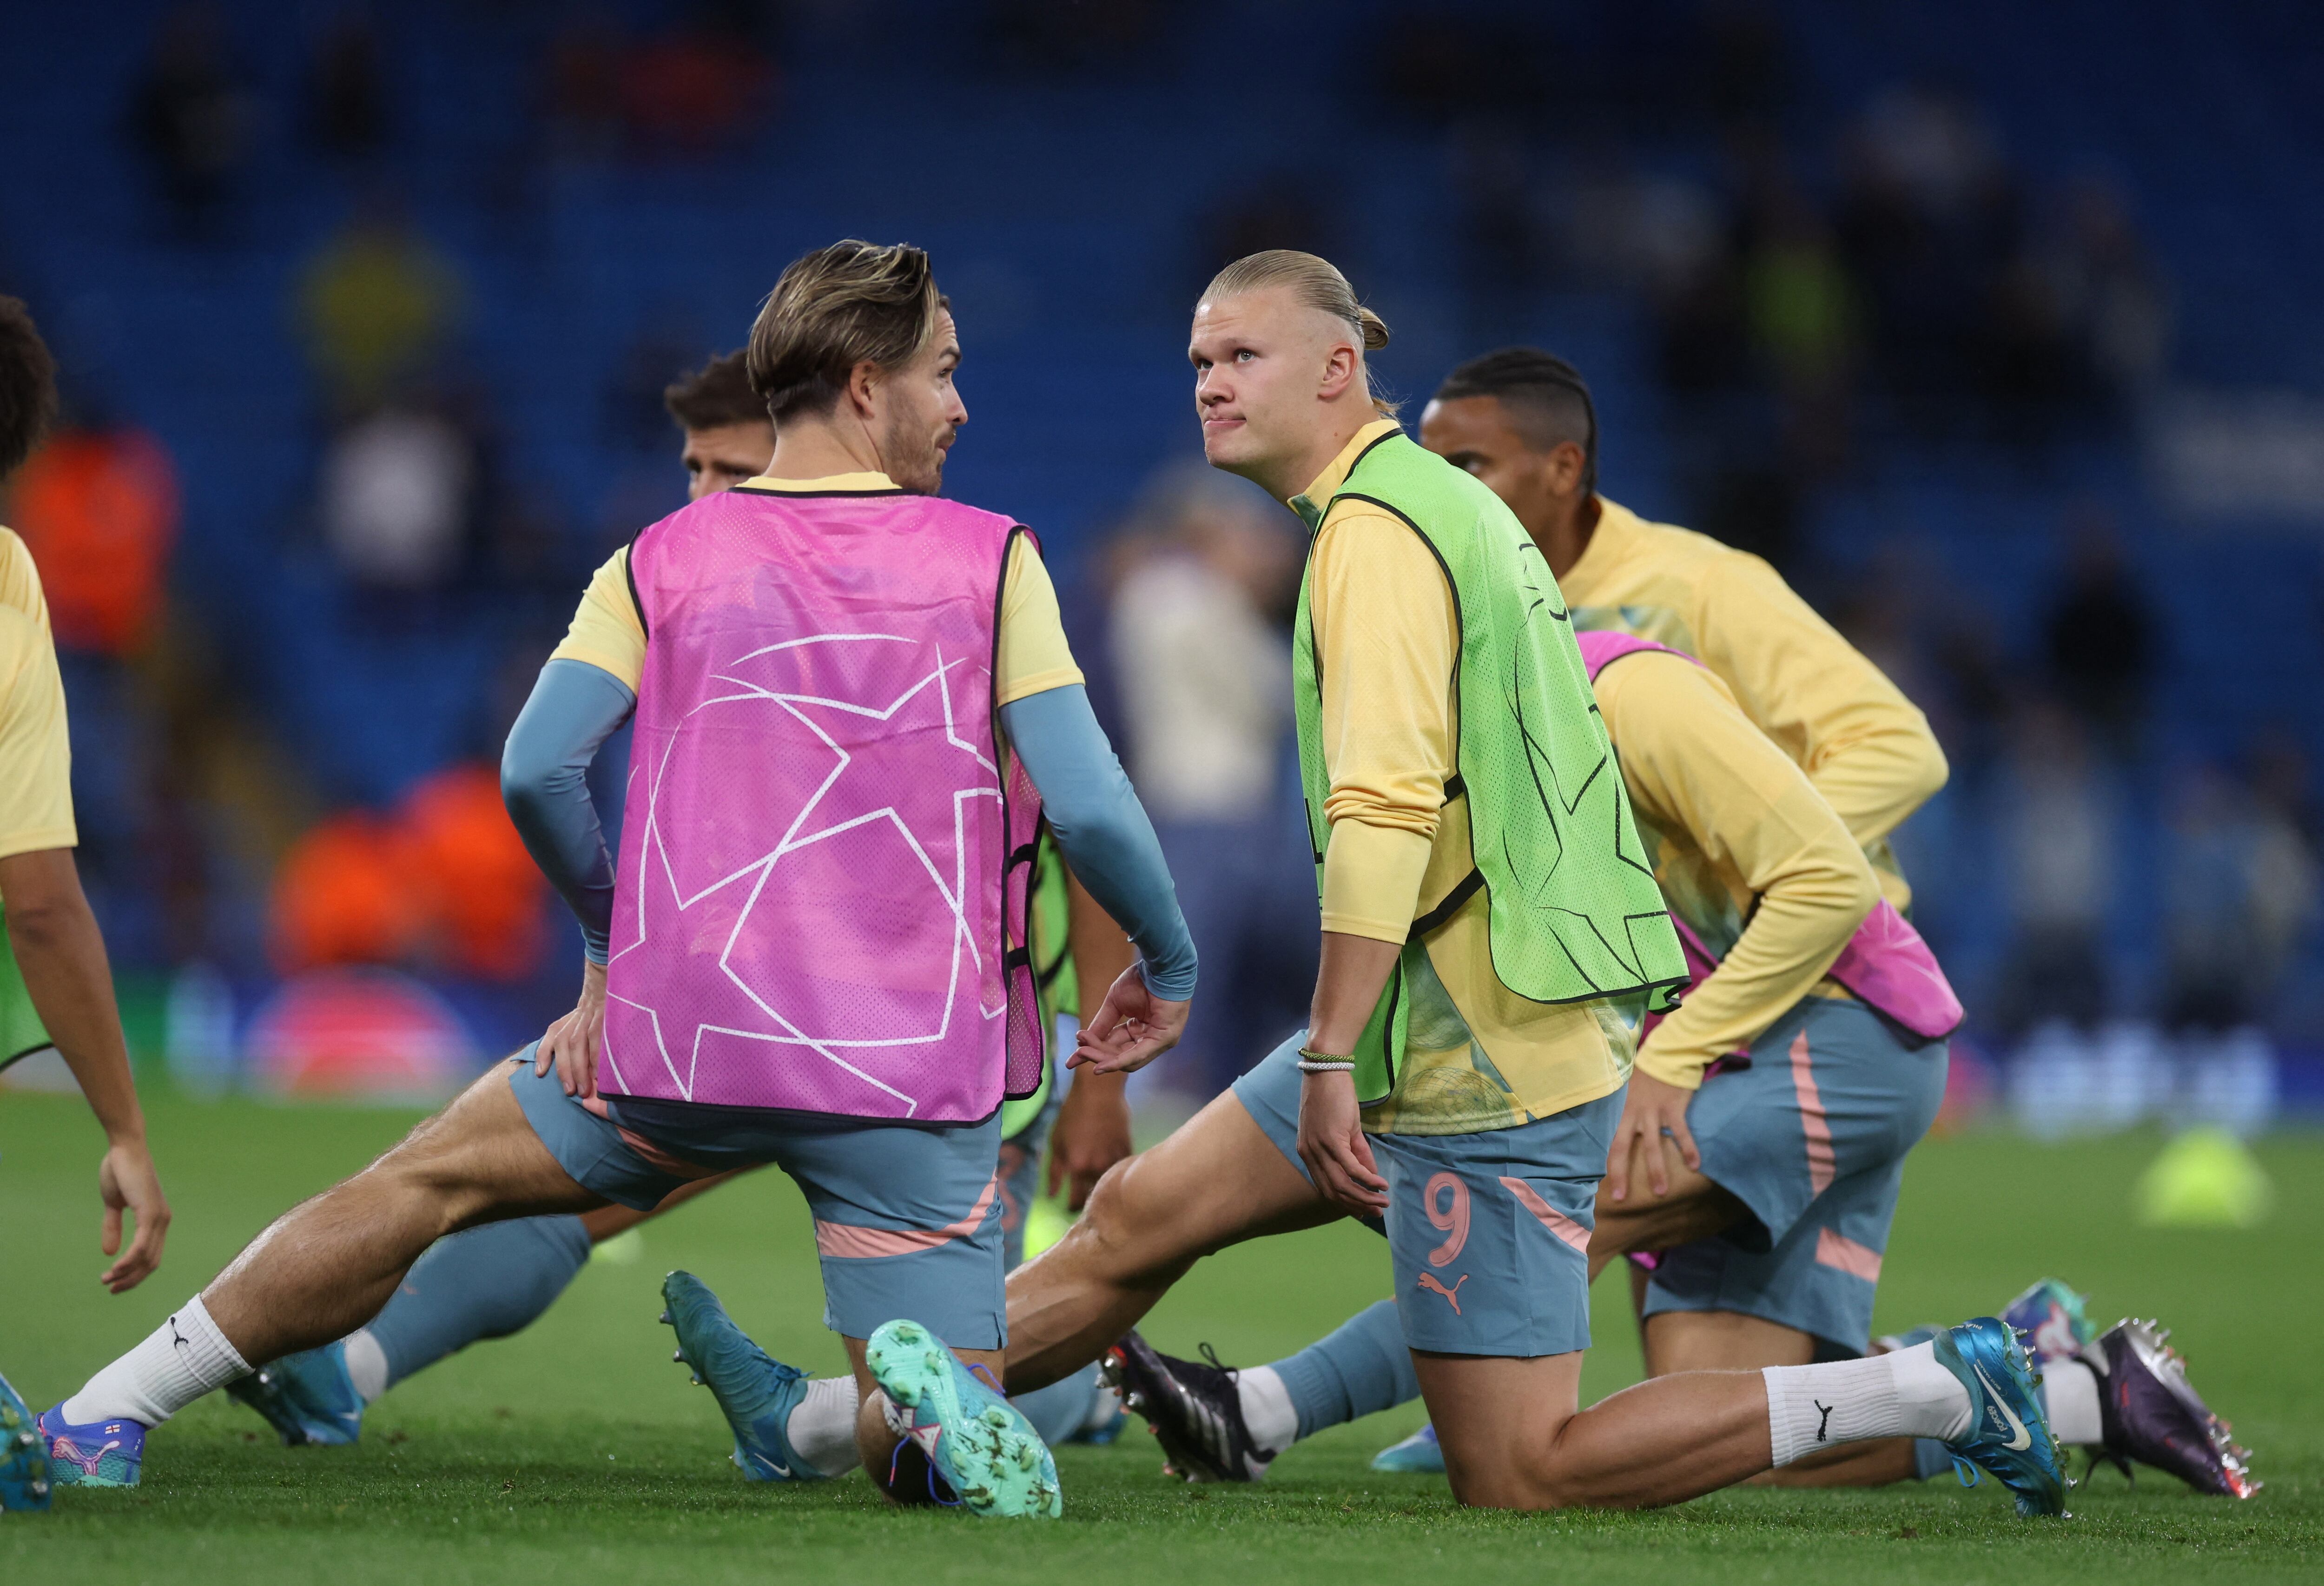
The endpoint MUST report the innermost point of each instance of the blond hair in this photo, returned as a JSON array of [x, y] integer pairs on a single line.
[[847, 304], [1315, 283]]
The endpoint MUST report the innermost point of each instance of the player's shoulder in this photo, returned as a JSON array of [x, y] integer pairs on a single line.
[[20, 579], [1682, 548]]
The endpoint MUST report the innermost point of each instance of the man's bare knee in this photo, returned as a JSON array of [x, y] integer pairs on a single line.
[[1124, 1235]]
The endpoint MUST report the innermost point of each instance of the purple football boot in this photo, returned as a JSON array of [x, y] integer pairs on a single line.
[[2152, 1414]]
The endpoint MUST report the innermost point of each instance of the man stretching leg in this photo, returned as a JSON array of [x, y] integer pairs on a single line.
[[851, 641], [496, 1280]]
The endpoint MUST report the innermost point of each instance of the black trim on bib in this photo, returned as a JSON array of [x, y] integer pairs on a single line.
[[1468, 887], [815, 495], [630, 577]]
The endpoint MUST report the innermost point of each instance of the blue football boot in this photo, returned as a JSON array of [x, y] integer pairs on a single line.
[[101, 1454], [2008, 1428], [1419, 1455], [307, 1397], [23, 1455], [2051, 1319], [982, 1446], [756, 1391]]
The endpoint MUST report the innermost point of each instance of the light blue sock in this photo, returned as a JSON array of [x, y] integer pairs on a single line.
[[485, 1283], [1361, 1368], [1062, 1409], [1929, 1458]]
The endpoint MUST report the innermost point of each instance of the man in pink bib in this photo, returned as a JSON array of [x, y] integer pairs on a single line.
[[853, 705]]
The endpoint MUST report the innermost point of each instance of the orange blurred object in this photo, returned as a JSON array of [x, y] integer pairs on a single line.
[[447, 872], [345, 894], [487, 891], [98, 509]]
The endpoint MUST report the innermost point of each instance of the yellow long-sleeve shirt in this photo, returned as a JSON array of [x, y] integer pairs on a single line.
[[1476, 1054], [1865, 748], [1745, 850]]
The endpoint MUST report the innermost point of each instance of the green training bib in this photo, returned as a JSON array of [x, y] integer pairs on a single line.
[[1573, 912]]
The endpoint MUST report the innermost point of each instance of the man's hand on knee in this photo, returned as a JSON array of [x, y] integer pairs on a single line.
[[1651, 1140]]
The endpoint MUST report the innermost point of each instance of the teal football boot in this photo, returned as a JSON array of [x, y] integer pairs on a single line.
[[307, 1397], [2054, 1323], [1419, 1455], [23, 1455], [974, 1439], [2008, 1428], [756, 1391]]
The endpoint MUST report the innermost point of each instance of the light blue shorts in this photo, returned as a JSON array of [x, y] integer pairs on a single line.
[[1812, 1137], [906, 1221], [1489, 1233]]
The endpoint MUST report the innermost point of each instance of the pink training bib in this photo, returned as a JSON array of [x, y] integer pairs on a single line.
[[1886, 964], [820, 902]]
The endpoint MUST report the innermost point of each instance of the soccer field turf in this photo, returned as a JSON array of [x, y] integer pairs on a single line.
[[580, 1451]]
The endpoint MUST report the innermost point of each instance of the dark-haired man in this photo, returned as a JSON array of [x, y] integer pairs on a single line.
[[852, 700], [728, 436], [56, 988]]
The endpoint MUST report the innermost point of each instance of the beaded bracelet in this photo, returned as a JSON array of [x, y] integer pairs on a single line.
[[1314, 1062]]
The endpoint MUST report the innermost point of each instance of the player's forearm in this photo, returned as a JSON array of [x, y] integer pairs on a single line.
[[1372, 876], [1102, 829], [1875, 779], [61, 954], [1805, 918], [545, 780], [1349, 982], [1100, 947]]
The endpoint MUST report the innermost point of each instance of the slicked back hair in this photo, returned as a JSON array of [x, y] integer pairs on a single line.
[[847, 304], [1548, 398], [1317, 283], [715, 396], [28, 386]]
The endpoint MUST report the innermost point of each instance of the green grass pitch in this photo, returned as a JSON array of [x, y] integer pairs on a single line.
[[579, 1453]]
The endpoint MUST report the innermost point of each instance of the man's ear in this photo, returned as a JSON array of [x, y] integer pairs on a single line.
[[861, 382], [1341, 365], [1566, 465]]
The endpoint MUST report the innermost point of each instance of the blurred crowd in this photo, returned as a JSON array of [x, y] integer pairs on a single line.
[[1810, 297]]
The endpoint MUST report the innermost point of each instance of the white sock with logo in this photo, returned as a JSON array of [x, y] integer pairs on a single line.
[[822, 1429], [2069, 1392], [366, 1364], [184, 1358], [1267, 1413], [1902, 1394]]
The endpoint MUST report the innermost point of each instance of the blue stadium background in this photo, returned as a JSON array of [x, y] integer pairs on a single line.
[[1077, 170]]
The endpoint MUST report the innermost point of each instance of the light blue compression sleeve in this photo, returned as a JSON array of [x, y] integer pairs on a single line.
[[487, 1282], [1102, 829], [1361, 1366], [545, 780]]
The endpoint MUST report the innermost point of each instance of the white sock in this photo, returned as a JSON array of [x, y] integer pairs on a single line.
[[184, 1358], [1267, 1412], [366, 1364], [1902, 1394], [2069, 1392], [822, 1429]]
